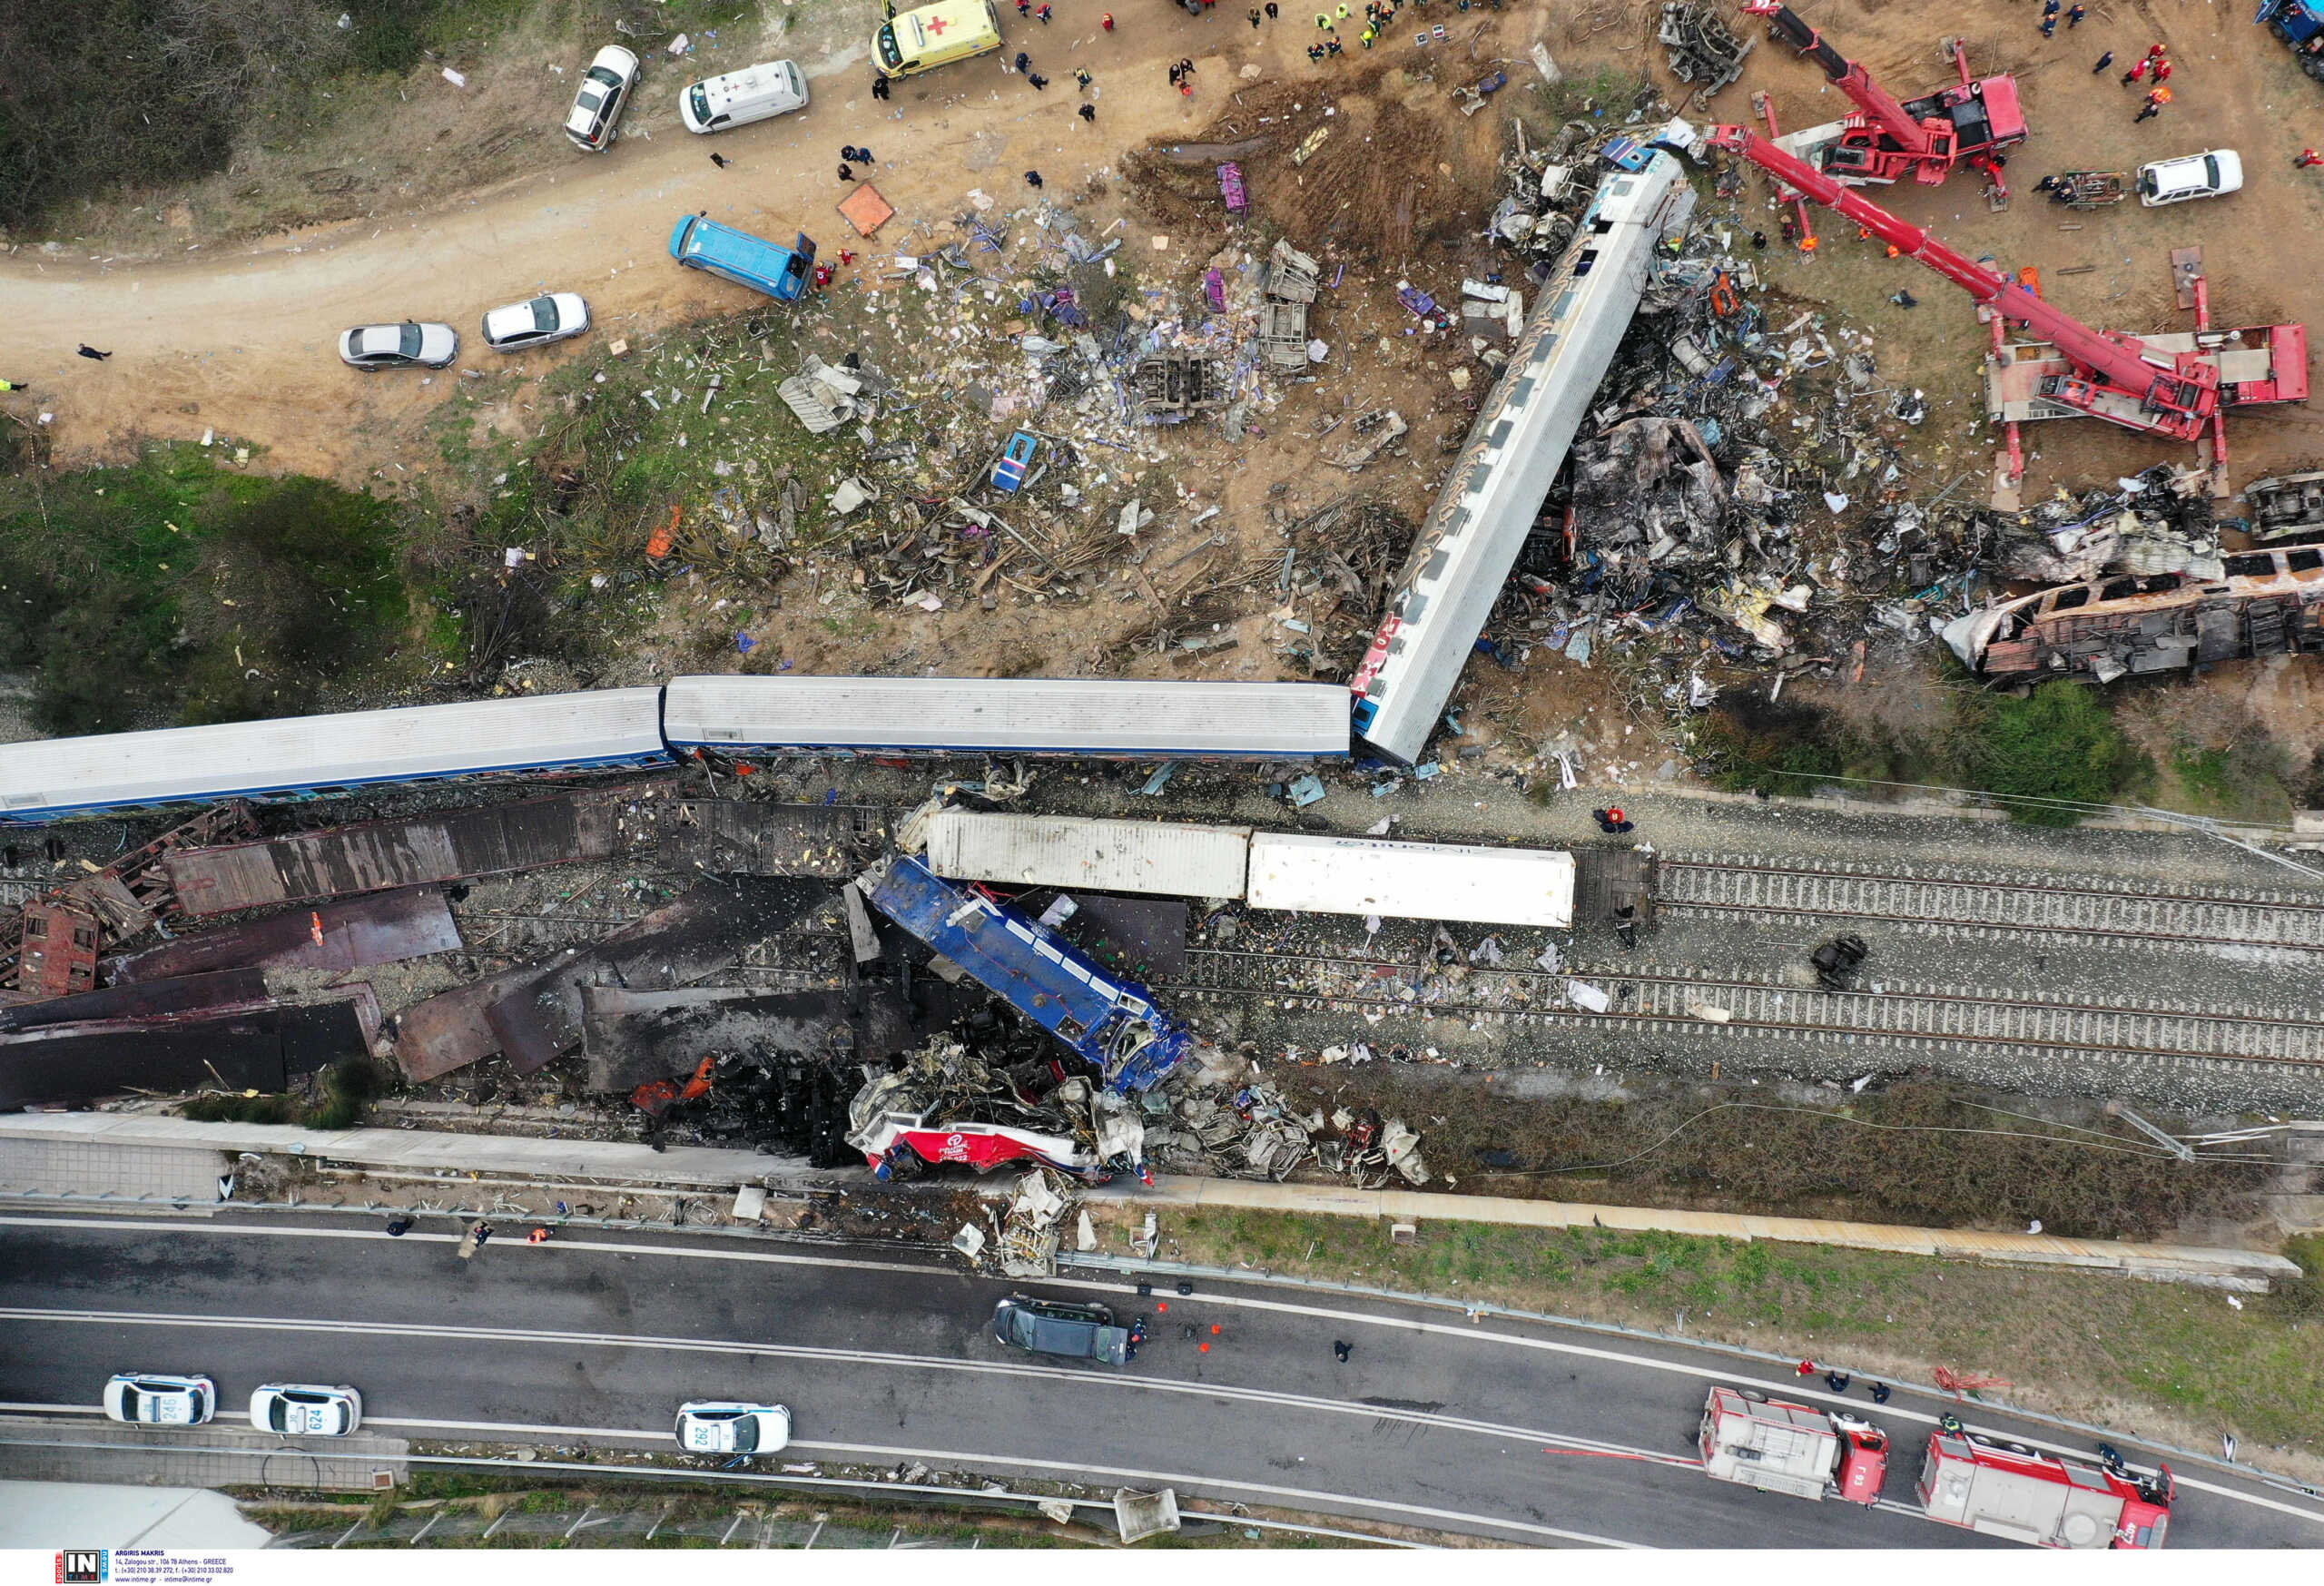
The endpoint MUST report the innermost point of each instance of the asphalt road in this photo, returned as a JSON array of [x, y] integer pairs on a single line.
[[1531, 1435]]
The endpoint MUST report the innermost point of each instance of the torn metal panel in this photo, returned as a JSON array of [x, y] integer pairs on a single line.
[[732, 837], [1138, 1515], [1608, 880], [249, 1048], [115, 904], [449, 1032], [632, 1037], [823, 396], [1035, 1223], [379, 855], [345, 935], [705, 929], [158, 1003]]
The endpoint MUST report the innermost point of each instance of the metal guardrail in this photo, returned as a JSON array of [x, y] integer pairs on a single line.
[[1477, 1310], [931, 1493]]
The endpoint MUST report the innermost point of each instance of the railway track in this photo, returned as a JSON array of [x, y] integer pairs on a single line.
[[1999, 903], [1706, 1008]]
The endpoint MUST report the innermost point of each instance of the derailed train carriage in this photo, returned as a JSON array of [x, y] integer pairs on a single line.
[[2270, 601], [632, 729]]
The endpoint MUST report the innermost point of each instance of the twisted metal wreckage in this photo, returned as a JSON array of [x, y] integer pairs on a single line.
[[1153, 1095]]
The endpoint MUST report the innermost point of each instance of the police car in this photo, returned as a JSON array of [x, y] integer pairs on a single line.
[[159, 1399], [304, 1410], [719, 1426]]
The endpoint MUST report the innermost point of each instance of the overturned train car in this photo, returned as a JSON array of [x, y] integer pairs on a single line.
[[2270, 602]]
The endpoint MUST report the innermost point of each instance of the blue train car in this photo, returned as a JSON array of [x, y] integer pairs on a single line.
[[1112, 1024]]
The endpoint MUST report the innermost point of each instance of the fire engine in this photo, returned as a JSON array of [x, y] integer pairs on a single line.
[[2009, 1490], [1754, 1441], [1981, 1483]]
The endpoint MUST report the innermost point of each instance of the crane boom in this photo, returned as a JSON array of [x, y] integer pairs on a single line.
[[2177, 393], [1848, 76]]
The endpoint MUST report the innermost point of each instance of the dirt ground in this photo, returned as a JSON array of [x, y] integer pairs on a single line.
[[2235, 87], [468, 200]]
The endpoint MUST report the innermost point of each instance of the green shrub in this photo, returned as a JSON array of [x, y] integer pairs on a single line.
[[347, 1087], [173, 590], [2058, 747]]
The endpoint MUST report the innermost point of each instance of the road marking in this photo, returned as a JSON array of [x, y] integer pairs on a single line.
[[1175, 1477], [1244, 1302], [1261, 1396]]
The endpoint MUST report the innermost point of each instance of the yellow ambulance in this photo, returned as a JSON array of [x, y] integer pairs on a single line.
[[935, 35]]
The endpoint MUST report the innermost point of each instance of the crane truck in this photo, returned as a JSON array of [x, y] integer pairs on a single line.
[[1962, 123], [1987, 1485], [2178, 385]]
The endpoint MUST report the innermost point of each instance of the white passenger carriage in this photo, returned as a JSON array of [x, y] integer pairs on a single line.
[[297, 757], [1007, 715]]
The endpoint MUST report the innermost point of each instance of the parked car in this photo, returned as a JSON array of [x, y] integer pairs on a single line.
[[720, 1427], [739, 98], [303, 1410], [536, 323], [153, 1398], [406, 346], [605, 91], [1075, 1331], [2210, 174]]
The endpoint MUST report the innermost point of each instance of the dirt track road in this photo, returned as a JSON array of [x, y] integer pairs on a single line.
[[244, 338]]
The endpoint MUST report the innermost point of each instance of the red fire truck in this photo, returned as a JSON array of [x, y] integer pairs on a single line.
[[1982, 1484], [1754, 1441], [2009, 1490]]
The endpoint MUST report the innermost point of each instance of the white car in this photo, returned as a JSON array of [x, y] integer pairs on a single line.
[[2209, 174], [605, 90], [409, 345], [536, 323], [739, 98], [159, 1399], [713, 1426], [304, 1410]]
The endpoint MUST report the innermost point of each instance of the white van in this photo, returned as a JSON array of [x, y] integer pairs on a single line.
[[752, 93]]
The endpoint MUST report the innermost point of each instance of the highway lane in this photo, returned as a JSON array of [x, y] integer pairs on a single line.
[[1536, 1433]]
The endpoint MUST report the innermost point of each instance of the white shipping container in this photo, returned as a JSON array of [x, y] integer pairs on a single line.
[[1412, 880], [1105, 856]]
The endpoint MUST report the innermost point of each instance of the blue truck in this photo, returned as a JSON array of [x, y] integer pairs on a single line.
[[782, 273], [2301, 25], [1110, 1023]]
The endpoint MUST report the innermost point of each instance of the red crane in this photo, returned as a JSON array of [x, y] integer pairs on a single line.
[[1962, 123], [2173, 385]]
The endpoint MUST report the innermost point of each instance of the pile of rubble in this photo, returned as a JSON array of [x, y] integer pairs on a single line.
[[1703, 50], [1251, 1131], [1738, 498], [946, 1103]]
